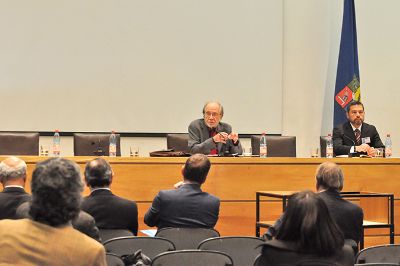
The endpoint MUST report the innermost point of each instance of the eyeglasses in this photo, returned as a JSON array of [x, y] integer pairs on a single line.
[[209, 114]]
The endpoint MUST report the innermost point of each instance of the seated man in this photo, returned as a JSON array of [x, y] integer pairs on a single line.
[[109, 210], [348, 216], [49, 239], [211, 136], [187, 205], [355, 136], [12, 177]]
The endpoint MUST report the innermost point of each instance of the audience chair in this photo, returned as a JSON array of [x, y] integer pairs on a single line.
[[87, 144], [114, 260], [178, 142], [186, 238], [107, 234], [19, 143], [192, 258], [379, 254], [278, 146], [243, 250], [150, 246]]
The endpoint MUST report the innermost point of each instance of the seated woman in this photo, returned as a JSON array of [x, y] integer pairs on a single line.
[[308, 236]]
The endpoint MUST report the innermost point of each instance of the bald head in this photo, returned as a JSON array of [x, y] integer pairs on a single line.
[[12, 171], [329, 176]]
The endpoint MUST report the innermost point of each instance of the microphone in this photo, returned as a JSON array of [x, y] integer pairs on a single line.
[[354, 153]]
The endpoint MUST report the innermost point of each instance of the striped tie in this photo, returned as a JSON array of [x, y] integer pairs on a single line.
[[357, 133]]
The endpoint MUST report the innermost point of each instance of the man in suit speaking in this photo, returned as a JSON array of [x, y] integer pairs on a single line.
[[355, 136], [209, 135]]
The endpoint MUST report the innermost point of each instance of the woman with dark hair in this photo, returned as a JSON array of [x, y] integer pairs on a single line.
[[307, 235]]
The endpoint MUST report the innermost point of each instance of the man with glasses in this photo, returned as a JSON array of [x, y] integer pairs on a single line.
[[210, 136]]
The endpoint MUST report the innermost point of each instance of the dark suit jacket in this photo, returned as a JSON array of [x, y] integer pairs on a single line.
[[111, 211], [348, 216], [200, 141], [283, 253], [344, 138], [10, 199], [187, 206], [83, 223]]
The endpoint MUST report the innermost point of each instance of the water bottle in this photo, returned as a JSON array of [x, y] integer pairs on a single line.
[[56, 143], [112, 148], [388, 146], [329, 146], [263, 146]]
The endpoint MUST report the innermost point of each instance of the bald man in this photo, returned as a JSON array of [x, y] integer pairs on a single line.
[[12, 177], [210, 136]]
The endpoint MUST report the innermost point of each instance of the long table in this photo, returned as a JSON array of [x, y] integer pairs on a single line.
[[236, 180]]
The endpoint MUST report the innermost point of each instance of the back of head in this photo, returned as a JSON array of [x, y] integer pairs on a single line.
[[12, 169], [56, 191], [98, 173], [329, 176], [196, 168], [308, 223]]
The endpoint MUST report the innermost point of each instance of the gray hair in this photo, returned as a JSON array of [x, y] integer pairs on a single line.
[[221, 108], [12, 168], [330, 176]]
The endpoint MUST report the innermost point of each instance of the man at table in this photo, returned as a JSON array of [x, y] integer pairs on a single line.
[[355, 136], [210, 136]]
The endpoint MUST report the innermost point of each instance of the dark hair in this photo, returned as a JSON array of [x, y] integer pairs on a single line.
[[98, 173], [352, 103], [56, 191], [196, 168], [307, 222]]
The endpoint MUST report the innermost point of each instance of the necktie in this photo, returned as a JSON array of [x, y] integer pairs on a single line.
[[213, 132], [357, 133]]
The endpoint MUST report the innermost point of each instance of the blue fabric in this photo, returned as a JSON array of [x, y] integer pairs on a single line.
[[347, 86]]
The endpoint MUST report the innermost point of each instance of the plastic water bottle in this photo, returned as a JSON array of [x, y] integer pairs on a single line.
[[329, 147], [112, 148], [56, 143], [388, 146], [263, 146]]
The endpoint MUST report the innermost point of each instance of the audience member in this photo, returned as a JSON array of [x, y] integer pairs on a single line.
[[12, 177], [49, 238], [109, 210], [307, 234], [211, 136], [348, 216], [187, 205]]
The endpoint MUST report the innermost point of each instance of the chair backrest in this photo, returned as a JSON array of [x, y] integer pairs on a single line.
[[88, 144], [278, 146], [322, 143], [186, 238], [192, 258], [114, 260], [377, 264], [107, 234], [381, 254], [243, 250], [178, 142], [150, 246], [19, 143]]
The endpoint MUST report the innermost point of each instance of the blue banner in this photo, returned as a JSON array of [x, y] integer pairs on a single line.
[[347, 88]]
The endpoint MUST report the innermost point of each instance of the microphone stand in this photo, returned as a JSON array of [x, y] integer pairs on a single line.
[[355, 153]]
